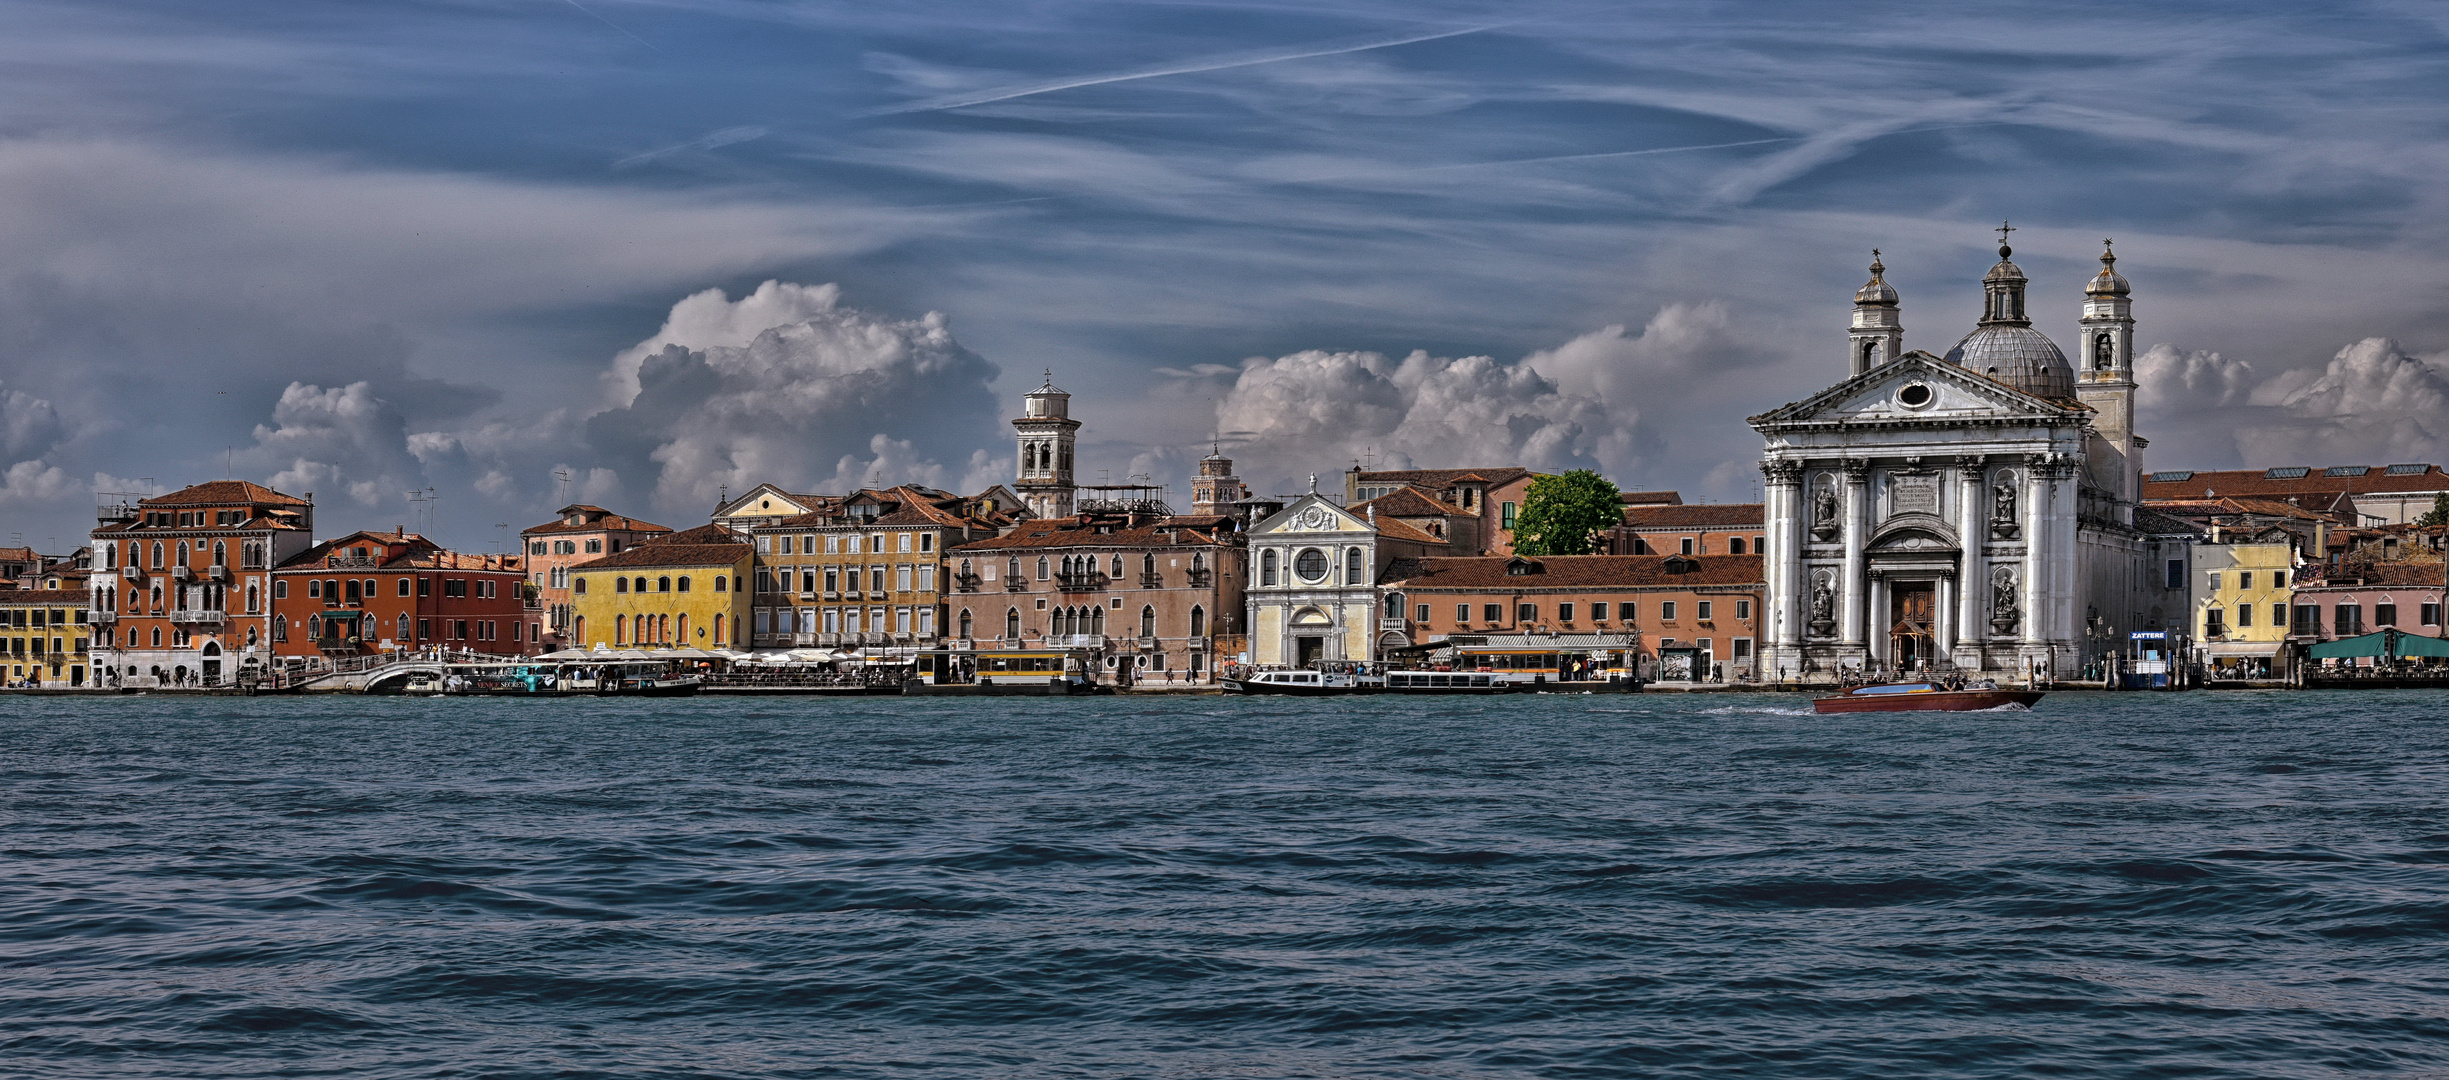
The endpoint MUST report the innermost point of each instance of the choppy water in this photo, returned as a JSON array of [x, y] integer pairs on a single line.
[[2129, 886]]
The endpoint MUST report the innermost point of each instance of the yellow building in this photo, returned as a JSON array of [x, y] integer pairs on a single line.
[[45, 637], [689, 589], [2243, 590]]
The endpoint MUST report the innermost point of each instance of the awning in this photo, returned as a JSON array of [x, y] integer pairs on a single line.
[[2384, 643], [2227, 649]]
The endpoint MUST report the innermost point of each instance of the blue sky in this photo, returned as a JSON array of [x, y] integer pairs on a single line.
[[366, 248]]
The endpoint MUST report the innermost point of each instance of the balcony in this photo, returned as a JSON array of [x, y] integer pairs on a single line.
[[198, 616], [132, 572], [1016, 583], [1395, 624], [965, 582], [217, 572], [1152, 581], [98, 615], [1084, 581], [1076, 641], [1198, 577], [351, 562], [182, 573], [877, 594]]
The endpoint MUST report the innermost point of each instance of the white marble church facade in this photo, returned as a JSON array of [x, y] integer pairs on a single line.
[[1972, 511]]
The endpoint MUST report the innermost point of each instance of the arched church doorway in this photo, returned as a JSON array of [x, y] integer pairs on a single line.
[[1911, 640]]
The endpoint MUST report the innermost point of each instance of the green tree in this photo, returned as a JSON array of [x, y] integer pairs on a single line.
[[1564, 515], [2439, 514]]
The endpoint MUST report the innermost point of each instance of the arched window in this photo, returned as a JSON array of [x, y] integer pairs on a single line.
[[578, 629], [221, 553], [1394, 605], [965, 622], [1012, 571], [254, 601], [721, 580], [1267, 567], [1041, 568], [157, 554], [1011, 621], [620, 629], [1198, 561], [718, 625], [157, 637], [331, 591], [579, 586], [182, 554], [1096, 620], [1118, 566], [965, 573], [663, 584], [1198, 622], [637, 584], [684, 583], [1352, 565], [2104, 352], [684, 628], [352, 590], [1870, 350], [620, 585], [1147, 621]]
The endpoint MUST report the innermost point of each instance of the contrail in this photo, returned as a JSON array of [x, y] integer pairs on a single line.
[[610, 23], [1538, 160], [1213, 63]]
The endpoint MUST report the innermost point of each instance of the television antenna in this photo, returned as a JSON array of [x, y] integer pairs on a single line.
[[424, 503]]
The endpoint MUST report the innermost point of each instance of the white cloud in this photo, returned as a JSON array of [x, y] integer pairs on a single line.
[[35, 482], [337, 439], [788, 387], [2373, 403]]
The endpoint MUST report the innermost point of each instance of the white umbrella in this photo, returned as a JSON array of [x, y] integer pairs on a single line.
[[691, 653]]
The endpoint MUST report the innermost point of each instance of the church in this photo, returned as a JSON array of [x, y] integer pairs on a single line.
[[1972, 512]]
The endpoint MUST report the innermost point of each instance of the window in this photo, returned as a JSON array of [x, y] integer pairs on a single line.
[[1505, 516], [926, 542], [2176, 574], [280, 589], [620, 585], [405, 588], [1267, 567], [1198, 622], [1734, 545], [2278, 579], [1011, 623], [1598, 611], [684, 584], [904, 543], [1495, 612], [1564, 612], [1704, 610], [1423, 613], [1147, 621], [2308, 620], [1310, 565], [1043, 567], [579, 587], [2385, 614], [2244, 581], [2430, 613], [1687, 545], [901, 577], [663, 584], [2350, 620], [2214, 620], [875, 544], [2278, 614], [425, 586], [314, 589], [2213, 579], [2244, 617], [1462, 613], [1666, 610], [595, 547], [765, 545], [1526, 613], [1743, 609], [1352, 566]]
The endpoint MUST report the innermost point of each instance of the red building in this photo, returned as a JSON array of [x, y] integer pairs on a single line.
[[373, 592], [178, 581]]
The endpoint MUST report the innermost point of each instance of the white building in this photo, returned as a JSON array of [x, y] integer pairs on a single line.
[[1973, 511], [1313, 591], [1046, 433]]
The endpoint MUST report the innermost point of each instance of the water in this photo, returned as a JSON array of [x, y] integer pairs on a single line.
[[2247, 885]]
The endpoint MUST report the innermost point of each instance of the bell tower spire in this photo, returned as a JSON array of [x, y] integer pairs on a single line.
[[2106, 379], [1878, 335], [2003, 288]]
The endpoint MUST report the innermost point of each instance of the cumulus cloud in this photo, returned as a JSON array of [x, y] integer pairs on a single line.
[[2372, 403], [1572, 406], [787, 386], [340, 439]]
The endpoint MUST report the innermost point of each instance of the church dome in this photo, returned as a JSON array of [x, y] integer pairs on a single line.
[[2018, 356]]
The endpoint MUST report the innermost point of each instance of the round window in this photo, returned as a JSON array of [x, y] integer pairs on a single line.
[[1914, 395], [1311, 565]]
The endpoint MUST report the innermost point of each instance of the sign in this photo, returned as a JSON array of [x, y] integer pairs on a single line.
[[1916, 493]]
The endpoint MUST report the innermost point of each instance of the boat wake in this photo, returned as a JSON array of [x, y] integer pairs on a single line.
[[1757, 710]]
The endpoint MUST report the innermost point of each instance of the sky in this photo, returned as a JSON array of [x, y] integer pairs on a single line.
[[509, 254]]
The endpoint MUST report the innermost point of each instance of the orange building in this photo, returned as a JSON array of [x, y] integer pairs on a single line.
[[581, 533], [1707, 606], [1699, 529], [372, 592], [1493, 495], [181, 582]]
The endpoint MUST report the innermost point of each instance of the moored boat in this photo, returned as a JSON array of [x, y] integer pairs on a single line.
[[1324, 680], [1924, 697]]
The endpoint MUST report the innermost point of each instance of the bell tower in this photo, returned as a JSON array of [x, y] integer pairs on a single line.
[[1046, 432], [1216, 489], [2105, 380], [1878, 335]]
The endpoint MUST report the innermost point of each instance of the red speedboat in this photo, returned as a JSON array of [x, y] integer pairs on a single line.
[[1924, 697]]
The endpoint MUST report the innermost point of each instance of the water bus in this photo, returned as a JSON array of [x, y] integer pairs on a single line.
[[1325, 678], [1517, 663]]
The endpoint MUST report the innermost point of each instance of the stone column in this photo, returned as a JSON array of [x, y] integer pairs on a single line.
[[2037, 542], [1973, 574], [1875, 643], [2066, 537], [1787, 608], [1856, 535], [1943, 618]]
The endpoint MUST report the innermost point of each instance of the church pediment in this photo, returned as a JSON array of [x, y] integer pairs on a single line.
[[1310, 514], [1916, 388]]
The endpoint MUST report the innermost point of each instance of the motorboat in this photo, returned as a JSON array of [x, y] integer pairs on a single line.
[[1925, 697], [1323, 680]]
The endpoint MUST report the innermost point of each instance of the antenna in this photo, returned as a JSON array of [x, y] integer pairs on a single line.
[[563, 475], [424, 502], [505, 540]]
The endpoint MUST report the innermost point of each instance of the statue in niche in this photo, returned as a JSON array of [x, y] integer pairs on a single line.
[[1823, 607], [1824, 514], [2003, 615], [2002, 509]]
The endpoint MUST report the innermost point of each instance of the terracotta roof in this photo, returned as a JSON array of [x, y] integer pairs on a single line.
[[1410, 502], [708, 533], [2389, 575], [665, 553], [78, 597], [223, 492], [1695, 516], [1650, 498], [1439, 478], [1487, 573], [610, 522], [2224, 507], [1398, 529], [1074, 532], [2374, 480]]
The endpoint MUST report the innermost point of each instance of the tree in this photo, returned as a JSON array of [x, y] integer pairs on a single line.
[[1564, 515], [2438, 515]]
